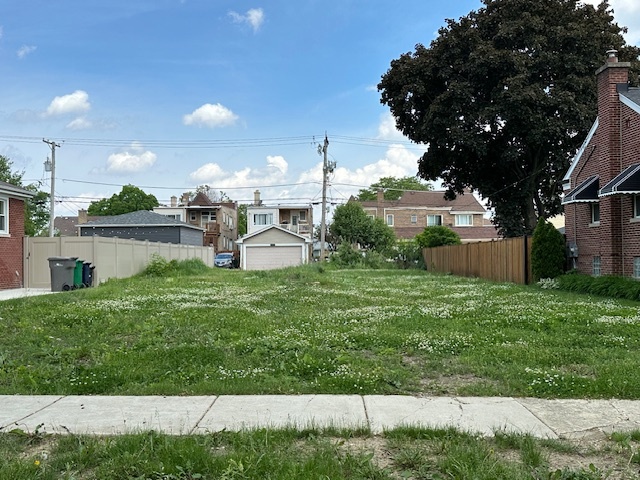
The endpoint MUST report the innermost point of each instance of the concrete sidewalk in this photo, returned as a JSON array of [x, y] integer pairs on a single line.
[[106, 415], [22, 292]]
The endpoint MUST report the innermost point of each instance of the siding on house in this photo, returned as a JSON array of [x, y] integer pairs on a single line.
[[144, 225]]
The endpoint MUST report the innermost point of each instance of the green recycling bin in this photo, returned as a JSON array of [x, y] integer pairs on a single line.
[[62, 273], [77, 273]]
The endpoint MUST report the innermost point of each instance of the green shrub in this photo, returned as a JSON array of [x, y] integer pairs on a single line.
[[159, 266], [409, 255], [346, 256], [437, 236], [606, 285], [547, 251], [375, 260]]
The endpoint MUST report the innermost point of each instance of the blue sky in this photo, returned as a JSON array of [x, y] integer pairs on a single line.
[[171, 94]]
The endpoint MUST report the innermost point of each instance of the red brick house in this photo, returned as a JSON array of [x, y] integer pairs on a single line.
[[602, 185], [12, 206], [413, 211]]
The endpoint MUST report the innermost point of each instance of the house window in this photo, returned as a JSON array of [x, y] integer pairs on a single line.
[[414, 219], [193, 216], [595, 213], [4, 215], [434, 220], [390, 220], [303, 216], [465, 220], [372, 217], [176, 216], [595, 267], [636, 267], [263, 219], [636, 206]]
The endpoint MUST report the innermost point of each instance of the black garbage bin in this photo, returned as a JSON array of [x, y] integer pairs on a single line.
[[62, 269], [87, 274]]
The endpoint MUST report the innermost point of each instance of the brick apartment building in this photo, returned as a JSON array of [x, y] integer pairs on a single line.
[[413, 211], [12, 206], [602, 185]]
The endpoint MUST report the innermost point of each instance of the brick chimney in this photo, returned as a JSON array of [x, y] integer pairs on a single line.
[[82, 216], [609, 76], [256, 198], [380, 195], [174, 201]]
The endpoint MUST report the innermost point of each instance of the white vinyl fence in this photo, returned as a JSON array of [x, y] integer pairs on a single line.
[[111, 257]]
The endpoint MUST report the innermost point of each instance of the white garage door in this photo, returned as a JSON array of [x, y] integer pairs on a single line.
[[268, 258]]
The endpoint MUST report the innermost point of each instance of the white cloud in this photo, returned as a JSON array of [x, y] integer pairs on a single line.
[[387, 129], [254, 18], [76, 102], [25, 50], [133, 161], [212, 174], [80, 123], [278, 162], [211, 116]]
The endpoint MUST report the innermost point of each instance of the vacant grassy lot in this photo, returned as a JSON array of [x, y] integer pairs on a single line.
[[308, 330]]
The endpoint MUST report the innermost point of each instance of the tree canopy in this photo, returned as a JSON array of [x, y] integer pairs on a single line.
[[393, 188], [130, 199], [352, 225], [36, 218], [504, 97]]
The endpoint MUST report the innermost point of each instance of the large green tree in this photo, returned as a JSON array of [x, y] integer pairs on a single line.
[[130, 199], [393, 188], [503, 97], [36, 218], [352, 225]]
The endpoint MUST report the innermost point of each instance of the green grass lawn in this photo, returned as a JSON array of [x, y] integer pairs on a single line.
[[315, 454], [315, 330]]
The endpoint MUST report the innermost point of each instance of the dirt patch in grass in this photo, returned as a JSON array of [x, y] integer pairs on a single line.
[[454, 384], [382, 456]]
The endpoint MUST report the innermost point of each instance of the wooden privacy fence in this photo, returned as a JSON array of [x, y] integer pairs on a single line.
[[507, 260], [112, 257]]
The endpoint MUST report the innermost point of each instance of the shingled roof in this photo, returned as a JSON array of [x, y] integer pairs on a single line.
[[140, 218], [433, 199]]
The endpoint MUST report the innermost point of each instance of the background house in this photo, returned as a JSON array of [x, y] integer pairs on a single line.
[[295, 218], [12, 207], [602, 185], [219, 220], [144, 225], [413, 211], [67, 226]]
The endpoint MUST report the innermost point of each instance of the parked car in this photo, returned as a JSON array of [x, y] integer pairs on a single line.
[[224, 260]]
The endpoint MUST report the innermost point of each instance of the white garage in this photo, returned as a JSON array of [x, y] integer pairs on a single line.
[[273, 247]]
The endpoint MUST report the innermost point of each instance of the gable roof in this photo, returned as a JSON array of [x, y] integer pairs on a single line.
[[431, 198], [270, 227], [201, 200], [141, 218], [13, 191], [566, 180], [630, 96]]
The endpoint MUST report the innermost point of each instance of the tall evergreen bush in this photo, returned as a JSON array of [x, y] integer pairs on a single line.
[[547, 251]]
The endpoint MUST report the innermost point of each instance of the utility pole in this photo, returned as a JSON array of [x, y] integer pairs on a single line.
[[327, 167], [52, 167]]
